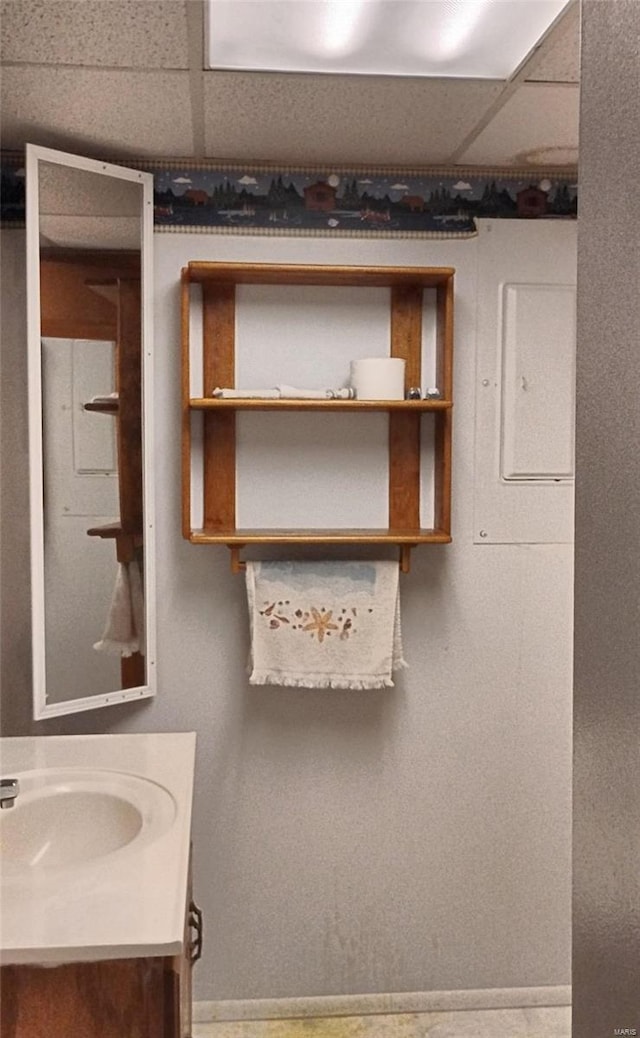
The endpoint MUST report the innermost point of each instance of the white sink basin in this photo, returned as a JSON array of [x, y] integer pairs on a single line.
[[65, 817], [94, 854]]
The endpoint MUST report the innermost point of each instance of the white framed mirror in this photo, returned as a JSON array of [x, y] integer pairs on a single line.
[[89, 331]]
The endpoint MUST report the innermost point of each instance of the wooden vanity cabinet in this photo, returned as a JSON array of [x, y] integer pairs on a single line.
[[116, 998], [132, 997]]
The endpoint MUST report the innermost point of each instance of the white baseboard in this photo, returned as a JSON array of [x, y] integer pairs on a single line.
[[366, 1005]]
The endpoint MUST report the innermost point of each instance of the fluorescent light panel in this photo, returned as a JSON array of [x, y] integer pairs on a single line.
[[474, 39]]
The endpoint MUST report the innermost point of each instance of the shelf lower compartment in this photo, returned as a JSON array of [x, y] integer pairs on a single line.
[[239, 537]]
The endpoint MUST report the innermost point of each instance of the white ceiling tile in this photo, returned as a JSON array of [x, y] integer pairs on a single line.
[[350, 119], [536, 119], [97, 112], [122, 33], [558, 59]]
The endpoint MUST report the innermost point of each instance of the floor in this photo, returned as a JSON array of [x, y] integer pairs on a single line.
[[490, 1023]]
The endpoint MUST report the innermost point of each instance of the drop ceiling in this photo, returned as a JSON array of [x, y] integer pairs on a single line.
[[124, 79]]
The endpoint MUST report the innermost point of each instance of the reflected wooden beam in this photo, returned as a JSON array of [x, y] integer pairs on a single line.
[[70, 308]]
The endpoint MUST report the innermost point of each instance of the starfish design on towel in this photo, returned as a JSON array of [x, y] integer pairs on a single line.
[[321, 624]]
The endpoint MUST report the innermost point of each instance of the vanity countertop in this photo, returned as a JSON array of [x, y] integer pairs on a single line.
[[125, 896]]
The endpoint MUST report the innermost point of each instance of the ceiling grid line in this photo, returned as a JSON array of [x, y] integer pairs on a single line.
[[517, 80], [194, 13]]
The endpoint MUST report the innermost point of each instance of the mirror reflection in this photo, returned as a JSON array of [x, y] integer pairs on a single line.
[[90, 234]]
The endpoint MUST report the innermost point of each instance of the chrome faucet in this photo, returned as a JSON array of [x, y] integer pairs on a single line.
[[9, 789]]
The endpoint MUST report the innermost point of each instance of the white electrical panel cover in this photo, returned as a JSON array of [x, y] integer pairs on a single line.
[[525, 382], [538, 381]]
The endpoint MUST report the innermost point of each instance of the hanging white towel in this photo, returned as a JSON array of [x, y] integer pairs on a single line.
[[124, 631], [324, 624]]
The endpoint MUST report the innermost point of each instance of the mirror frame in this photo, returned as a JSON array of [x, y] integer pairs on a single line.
[[34, 155]]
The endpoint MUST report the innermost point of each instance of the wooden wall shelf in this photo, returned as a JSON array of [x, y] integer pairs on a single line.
[[406, 284]]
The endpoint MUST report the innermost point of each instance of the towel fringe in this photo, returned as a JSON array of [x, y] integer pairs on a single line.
[[117, 648], [275, 677]]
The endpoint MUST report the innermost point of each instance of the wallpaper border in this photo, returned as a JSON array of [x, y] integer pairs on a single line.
[[209, 197]]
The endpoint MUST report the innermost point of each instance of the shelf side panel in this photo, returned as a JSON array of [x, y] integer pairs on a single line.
[[218, 320], [404, 428], [444, 336], [444, 421], [404, 471], [406, 330], [186, 393], [442, 501]]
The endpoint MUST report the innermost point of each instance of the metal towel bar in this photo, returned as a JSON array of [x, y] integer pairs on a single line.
[[239, 565]]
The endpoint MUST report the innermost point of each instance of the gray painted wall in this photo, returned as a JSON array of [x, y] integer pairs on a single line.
[[606, 914], [15, 588], [411, 839]]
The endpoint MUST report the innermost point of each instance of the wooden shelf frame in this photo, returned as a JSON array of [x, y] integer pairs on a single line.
[[406, 284]]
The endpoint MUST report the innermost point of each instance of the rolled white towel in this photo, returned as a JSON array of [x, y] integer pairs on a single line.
[[293, 393], [246, 394]]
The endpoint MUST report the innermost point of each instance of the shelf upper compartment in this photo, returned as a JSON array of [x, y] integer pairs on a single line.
[[301, 404], [312, 274]]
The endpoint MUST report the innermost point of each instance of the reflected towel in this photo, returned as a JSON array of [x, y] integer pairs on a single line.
[[324, 624], [124, 631]]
